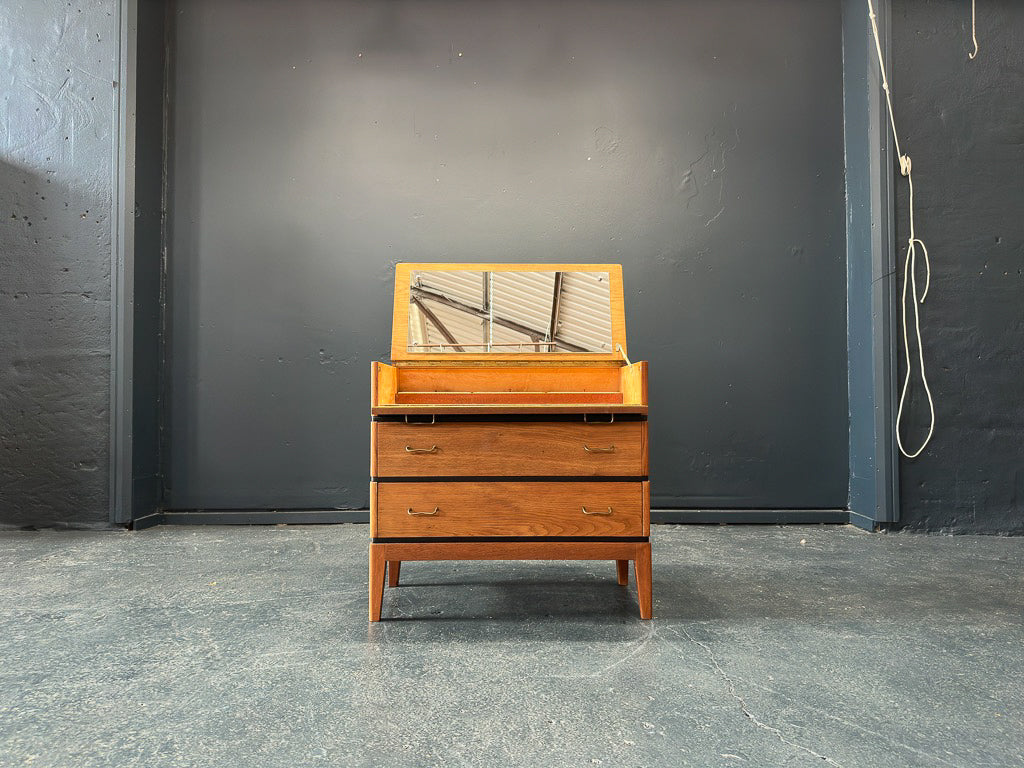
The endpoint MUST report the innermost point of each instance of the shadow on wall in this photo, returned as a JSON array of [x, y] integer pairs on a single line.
[[54, 352]]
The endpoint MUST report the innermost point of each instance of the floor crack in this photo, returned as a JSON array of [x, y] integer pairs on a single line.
[[731, 686]]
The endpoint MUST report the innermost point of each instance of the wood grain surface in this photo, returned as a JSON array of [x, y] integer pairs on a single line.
[[516, 449], [509, 509]]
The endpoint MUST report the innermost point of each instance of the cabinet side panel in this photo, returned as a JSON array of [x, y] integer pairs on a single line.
[[634, 383], [373, 449], [645, 450], [647, 507], [373, 510]]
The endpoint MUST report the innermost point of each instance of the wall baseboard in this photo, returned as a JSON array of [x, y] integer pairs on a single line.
[[333, 516], [750, 516], [254, 517]]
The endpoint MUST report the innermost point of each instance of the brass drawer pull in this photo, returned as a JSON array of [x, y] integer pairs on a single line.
[[431, 449], [415, 423], [410, 512], [596, 512], [609, 449]]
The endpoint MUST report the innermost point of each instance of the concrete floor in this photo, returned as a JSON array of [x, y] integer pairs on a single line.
[[250, 647]]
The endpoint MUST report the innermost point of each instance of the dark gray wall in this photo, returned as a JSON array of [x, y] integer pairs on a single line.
[[963, 129], [56, 116], [315, 144], [963, 126], [147, 351]]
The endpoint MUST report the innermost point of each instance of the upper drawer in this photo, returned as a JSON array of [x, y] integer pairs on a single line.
[[510, 449]]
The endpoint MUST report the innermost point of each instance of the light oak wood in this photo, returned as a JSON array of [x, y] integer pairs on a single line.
[[373, 450], [645, 460], [622, 572], [400, 316], [394, 568], [373, 510], [509, 509], [377, 568], [645, 488], [516, 449], [510, 409], [532, 378], [642, 568], [506, 398], [413, 551], [383, 383], [633, 383]]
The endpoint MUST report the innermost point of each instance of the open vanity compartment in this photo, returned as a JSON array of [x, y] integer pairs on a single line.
[[564, 389], [510, 425]]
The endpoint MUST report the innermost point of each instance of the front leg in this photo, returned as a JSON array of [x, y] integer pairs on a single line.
[[377, 568], [642, 566]]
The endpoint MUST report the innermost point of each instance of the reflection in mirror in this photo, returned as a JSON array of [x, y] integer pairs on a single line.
[[496, 312]]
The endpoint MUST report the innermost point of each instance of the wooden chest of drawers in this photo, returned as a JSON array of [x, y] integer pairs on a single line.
[[500, 458]]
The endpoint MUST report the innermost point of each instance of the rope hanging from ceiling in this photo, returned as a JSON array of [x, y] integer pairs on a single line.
[[909, 270]]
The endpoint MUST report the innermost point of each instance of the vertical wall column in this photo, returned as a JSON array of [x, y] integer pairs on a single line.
[[871, 272], [136, 267]]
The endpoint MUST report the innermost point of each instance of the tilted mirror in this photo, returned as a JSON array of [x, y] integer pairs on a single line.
[[452, 311]]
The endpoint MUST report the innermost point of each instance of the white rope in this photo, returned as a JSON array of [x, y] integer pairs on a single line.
[[909, 268], [974, 29]]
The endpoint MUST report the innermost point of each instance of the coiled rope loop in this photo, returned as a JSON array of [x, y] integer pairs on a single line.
[[909, 270]]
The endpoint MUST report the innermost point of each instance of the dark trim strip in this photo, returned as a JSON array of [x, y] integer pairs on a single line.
[[750, 516], [265, 517], [332, 516], [122, 263], [867, 523], [147, 521], [503, 539], [502, 417], [515, 479]]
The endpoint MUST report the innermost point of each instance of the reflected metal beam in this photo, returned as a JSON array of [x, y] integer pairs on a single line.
[[556, 304], [419, 294], [427, 313], [486, 304]]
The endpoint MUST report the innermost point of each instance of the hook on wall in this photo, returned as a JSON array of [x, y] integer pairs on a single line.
[[974, 29]]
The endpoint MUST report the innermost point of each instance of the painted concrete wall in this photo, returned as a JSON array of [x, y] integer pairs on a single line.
[[57, 73], [963, 126], [961, 123], [316, 144]]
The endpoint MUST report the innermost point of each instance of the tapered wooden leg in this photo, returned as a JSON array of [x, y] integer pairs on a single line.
[[394, 568], [377, 567], [642, 567], [622, 571]]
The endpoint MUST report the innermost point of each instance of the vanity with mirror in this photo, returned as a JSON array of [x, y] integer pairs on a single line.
[[510, 425]]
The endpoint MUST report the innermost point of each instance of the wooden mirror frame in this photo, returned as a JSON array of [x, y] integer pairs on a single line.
[[400, 329]]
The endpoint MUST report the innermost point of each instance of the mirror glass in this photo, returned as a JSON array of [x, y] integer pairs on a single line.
[[509, 312]]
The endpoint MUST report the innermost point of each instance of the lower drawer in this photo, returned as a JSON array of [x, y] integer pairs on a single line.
[[509, 509]]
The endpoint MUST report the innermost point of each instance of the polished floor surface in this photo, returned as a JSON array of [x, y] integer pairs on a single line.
[[771, 646]]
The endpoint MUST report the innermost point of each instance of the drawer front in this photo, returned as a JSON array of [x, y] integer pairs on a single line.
[[509, 509], [510, 449]]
